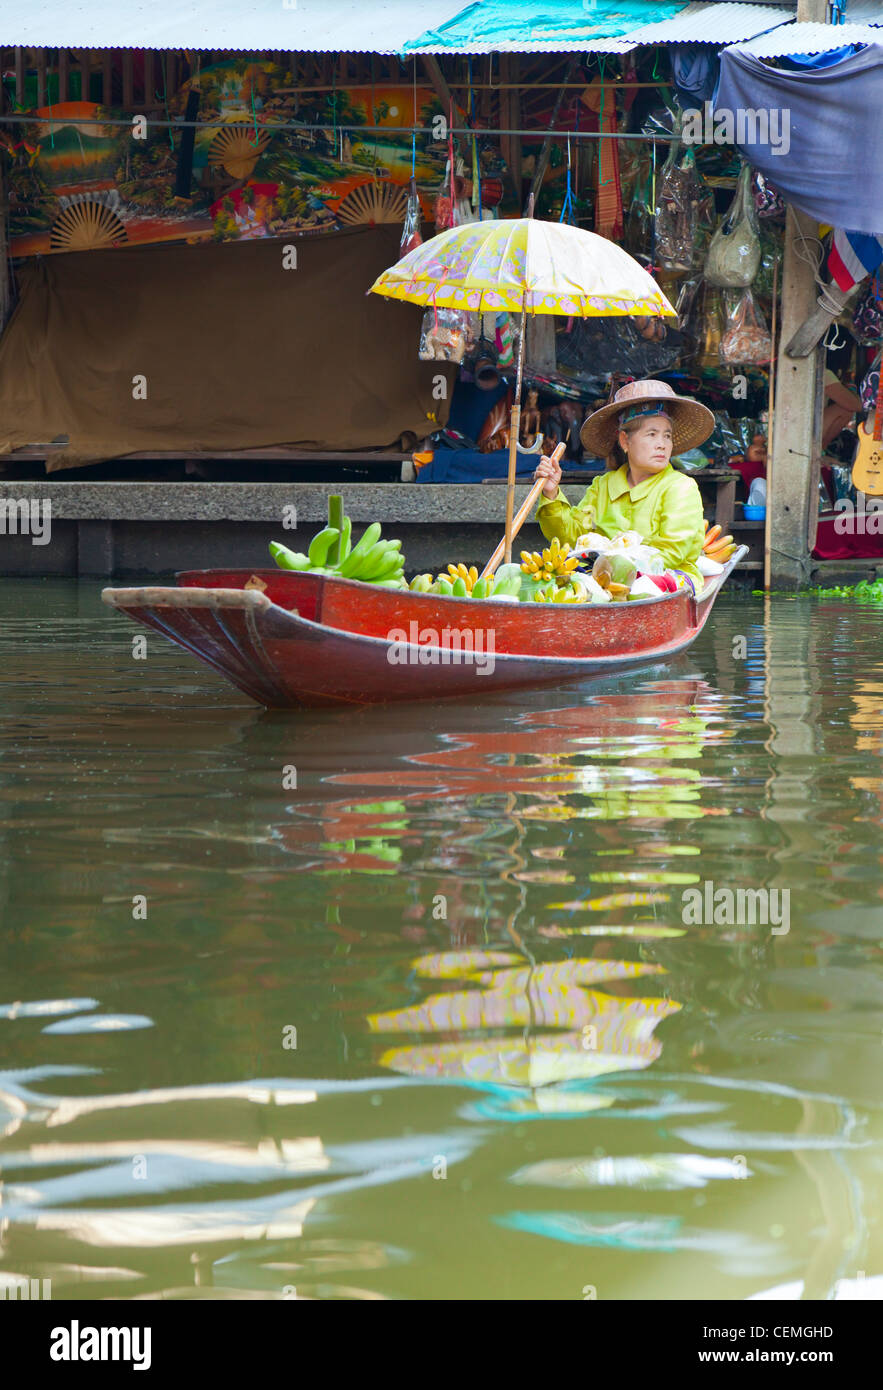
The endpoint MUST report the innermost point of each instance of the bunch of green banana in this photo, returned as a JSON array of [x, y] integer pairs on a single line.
[[371, 560], [455, 584], [375, 561]]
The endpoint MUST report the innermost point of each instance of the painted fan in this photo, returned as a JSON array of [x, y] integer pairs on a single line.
[[237, 148], [86, 225], [372, 203]]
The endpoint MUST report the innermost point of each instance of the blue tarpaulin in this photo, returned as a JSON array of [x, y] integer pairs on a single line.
[[831, 165], [490, 22]]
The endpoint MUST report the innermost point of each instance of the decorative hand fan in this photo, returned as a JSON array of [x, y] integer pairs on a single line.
[[372, 203], [238, 149], [86, 225]]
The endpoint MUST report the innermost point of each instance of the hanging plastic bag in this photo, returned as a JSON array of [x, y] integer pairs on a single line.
[[684, 209], [445, 200], [746, 339], [771, 252], [411, 236], [446, 335], [707, 328], [734, 254]]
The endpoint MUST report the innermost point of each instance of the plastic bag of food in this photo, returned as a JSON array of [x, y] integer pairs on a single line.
[[734, 254], [746, 339], [684, 210], [629, 545], [446, 335]]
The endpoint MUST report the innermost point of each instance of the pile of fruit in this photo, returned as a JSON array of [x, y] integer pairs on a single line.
[[549, 575], [717, 547], [463, 582], [372, 560]]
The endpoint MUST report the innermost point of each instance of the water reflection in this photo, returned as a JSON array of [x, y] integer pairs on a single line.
[[508, 1039]]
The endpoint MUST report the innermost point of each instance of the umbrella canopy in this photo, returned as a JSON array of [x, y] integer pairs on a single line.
[[524, 265]]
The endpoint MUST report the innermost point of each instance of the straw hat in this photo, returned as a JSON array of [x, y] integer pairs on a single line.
[[691, 422]]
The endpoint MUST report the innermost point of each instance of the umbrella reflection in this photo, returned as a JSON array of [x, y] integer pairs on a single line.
[[600, 1033]]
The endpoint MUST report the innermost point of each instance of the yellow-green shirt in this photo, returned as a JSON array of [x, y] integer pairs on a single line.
[[665, 508]]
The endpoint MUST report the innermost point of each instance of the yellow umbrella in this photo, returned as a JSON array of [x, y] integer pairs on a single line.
[[529, 267]]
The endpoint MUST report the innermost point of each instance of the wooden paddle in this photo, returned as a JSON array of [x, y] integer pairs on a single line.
[[867, 471], [521, 516]]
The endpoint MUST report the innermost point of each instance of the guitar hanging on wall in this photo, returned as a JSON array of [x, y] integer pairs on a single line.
[[867, 471]]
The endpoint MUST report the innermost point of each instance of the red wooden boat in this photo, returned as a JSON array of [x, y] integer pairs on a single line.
[[311, 640]]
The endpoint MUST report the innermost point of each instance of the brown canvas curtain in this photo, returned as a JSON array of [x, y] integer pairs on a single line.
[[236, 351]]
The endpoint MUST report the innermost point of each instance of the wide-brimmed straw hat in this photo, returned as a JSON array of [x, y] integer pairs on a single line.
[[691, 422]]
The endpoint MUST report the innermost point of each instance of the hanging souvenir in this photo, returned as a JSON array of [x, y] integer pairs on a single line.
[[734, 254], [746, 338], [446, 335], [767, 202], [411, 237], [867, 318], [709, 328], [684, 209]]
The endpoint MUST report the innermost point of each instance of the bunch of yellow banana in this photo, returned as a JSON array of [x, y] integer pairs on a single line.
[[555, 562], [468, 575], [558, 595], [717, 547]]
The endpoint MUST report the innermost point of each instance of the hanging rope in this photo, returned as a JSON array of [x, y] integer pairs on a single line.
[[567, 205], [414, 132]]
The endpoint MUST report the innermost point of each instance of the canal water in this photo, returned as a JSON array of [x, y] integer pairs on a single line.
[[567, 995]]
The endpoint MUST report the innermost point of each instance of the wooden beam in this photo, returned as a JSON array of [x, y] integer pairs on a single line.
[[149, 79], [443, 92], [20, 76], [128, 80], [41, 76], [107, 77], [84, 63], [545, 152], [63, 75], [171, 74], [510, 118], [810, 331]]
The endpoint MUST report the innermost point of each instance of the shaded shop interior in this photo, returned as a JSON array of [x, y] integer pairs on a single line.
[[190, 235]]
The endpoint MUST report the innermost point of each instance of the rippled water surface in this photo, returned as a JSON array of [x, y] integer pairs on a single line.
[[411, 1002]]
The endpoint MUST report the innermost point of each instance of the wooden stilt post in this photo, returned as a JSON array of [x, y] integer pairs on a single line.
[[793, 471]]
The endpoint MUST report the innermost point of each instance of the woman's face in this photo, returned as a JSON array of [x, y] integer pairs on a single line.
[[648, 446]]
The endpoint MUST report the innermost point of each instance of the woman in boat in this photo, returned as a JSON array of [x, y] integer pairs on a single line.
[[640, 491]]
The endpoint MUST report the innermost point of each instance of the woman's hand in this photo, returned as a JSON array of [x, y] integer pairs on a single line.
[[550, 469]]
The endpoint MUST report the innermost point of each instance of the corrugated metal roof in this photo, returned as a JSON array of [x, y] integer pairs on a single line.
[[864, 12], [809, 38], [713, 23], [303, 26]]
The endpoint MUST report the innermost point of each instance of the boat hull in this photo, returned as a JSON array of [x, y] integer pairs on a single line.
[[303, 640]]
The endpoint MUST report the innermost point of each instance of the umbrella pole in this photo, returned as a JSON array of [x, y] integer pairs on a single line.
[[514, 427]]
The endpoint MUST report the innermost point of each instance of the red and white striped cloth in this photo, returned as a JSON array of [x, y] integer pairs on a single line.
[[853, 255]]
